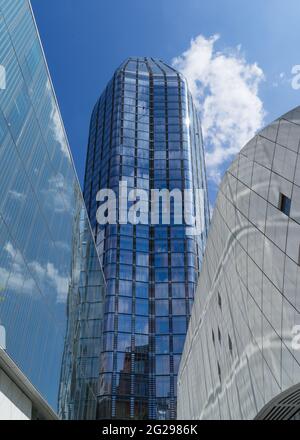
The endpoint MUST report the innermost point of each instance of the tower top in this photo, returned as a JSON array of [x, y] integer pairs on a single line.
[[148, 65]]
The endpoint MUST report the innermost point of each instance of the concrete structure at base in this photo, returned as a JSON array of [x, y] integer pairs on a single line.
[[19, 399], [14, 404], [242, 346]]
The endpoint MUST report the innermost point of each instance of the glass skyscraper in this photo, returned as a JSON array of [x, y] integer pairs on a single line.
[[145, 130], [48, 259]]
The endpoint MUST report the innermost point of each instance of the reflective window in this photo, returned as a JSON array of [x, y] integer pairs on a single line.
[[141, 324], [124, 323], [162, 364], [154, 269], [162, 325], [162, 344], [162, 386], [142, 307]]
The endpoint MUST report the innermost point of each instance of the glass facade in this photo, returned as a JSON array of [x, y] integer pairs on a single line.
[[85, 312], [47, 251], [145, 131], [242, 346]]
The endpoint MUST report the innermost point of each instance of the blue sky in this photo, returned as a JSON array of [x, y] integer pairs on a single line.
[[86, 40]]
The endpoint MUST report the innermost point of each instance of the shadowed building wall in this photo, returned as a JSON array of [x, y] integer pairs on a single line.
[[240, 350]]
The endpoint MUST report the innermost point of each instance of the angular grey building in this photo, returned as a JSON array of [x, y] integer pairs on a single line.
[[242, 346], [145, 131], [48, 259]]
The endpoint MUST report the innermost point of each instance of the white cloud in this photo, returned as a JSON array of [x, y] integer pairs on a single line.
[[59, 197], [49, 274], [225, 90], [2, 78], [21, 281], [56, 124], [17, 195]]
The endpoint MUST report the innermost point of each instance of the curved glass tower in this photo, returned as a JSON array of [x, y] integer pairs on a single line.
[[145, 131]]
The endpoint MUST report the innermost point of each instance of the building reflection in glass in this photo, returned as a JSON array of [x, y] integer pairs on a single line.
[[49, 270], [80, 369]]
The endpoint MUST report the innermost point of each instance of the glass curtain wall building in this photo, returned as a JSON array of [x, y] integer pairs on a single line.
[[242, 348], [85, 312], [145, 131], [47, 251]]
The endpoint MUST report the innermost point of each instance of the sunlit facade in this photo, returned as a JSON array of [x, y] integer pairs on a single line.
[[242, 348], [47, 252], [145, 131]]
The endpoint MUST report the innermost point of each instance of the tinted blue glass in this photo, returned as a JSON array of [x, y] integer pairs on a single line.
[[49, 266], [145, 139]]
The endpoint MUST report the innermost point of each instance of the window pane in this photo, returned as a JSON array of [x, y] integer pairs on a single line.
[[178, 307], [162, 386], [141, 307], [125, 305], [162, 307], [124, 323], [142, 290], [162, 344], [179, 325], [162, 325], [141, 324], [163, 364], [124, 341], [161, 290]]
